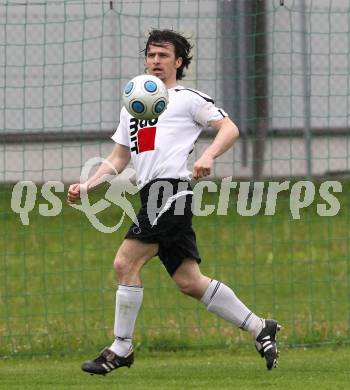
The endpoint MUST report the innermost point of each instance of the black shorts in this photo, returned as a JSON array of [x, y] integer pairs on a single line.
[[171, 229]]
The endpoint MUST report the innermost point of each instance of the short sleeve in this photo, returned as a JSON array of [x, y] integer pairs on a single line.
[[209, 112], [204, 110], [121, 135]]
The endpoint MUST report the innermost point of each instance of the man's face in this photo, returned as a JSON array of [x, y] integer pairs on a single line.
[[161, 61]]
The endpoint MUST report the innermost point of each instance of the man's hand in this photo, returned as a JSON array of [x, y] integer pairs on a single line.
[[202, 167], [226, 136], [115, 163], [74, 192]]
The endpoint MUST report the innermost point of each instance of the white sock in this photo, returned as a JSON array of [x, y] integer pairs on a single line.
[[128, 303], [222, 301]]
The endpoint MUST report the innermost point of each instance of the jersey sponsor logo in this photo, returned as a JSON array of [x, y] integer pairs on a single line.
[[142, 135]]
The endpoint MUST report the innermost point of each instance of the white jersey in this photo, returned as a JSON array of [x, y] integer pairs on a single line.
[[160, 147]]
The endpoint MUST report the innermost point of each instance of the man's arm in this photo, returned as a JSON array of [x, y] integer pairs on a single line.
[[115, 162], [225, 138]]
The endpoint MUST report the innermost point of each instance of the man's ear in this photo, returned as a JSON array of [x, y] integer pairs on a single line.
[[178, 62]]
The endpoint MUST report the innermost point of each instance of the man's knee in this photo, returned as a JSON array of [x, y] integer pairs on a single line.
[[131, 257], [186, 287], [122, 265], [194, 288], [190, 280]]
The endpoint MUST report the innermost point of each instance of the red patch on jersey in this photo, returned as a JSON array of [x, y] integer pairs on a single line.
[[145, 138]]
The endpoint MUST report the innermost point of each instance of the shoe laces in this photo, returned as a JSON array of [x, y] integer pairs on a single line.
[[100, 359]]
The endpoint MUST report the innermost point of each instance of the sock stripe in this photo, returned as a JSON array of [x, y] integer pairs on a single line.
[[129, 285], [245, 321], [215, 290], [123, 338]]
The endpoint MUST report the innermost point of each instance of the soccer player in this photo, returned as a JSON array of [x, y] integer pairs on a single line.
[[159, 150]]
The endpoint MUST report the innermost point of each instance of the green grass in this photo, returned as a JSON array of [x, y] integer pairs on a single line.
[[318, 368], [57, 284]]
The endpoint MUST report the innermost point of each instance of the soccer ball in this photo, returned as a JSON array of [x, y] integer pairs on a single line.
[[145, 97]]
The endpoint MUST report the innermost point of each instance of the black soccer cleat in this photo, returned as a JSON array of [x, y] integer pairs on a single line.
[[266, 343], [106, 362]]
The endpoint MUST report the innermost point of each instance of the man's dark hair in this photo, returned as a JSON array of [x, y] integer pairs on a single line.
[[182, 47]]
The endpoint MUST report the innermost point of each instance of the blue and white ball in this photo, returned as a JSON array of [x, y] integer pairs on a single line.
[[145, 97]]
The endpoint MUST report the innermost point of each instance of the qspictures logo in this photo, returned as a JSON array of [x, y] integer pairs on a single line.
[[24, 197], [244, 198]]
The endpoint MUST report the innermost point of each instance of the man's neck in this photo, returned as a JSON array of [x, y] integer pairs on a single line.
[[171, 83]]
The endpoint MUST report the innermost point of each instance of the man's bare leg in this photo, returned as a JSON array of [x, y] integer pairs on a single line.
[[132, 255]]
